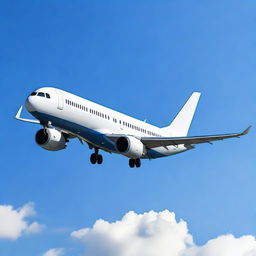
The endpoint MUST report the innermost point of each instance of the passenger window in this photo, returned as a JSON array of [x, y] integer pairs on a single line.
[[41, 94], [48, 95]]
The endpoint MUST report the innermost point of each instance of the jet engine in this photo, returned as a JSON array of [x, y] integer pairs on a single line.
[[130, 147], [50, 139]]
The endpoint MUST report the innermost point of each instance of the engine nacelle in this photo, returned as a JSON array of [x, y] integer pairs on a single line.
[[130, 146], [50, 139]]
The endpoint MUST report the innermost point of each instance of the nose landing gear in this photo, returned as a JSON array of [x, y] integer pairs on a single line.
[[134, 162]]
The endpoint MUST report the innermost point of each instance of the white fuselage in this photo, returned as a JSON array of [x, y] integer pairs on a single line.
[[91, 122]]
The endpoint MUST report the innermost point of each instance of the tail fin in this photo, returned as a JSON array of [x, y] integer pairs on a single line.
[[181, 123]]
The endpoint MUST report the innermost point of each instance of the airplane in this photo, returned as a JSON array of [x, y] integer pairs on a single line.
[[65, 116]]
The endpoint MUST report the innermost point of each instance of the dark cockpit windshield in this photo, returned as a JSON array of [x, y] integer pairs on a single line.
[[41, 94]]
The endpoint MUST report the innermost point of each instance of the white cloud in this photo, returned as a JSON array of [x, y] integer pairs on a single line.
[[147, 234], [13, 221], [156, 234], [226, 245], [54, 252]]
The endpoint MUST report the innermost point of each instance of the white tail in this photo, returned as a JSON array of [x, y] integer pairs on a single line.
[[181, 123]]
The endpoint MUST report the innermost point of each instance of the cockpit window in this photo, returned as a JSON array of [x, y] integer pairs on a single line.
[[33, 93], [48, 95], [40, 94]]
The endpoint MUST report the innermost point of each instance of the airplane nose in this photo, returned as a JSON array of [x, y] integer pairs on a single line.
[[29, 104]]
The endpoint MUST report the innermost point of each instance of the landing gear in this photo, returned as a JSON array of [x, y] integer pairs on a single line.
[[131, 162], [137, 163], [99, 159], [96, 158], [134, 162], [93, 158]]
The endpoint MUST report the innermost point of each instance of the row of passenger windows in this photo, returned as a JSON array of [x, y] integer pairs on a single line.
[[69, 102], [41, 94], [97, 113]]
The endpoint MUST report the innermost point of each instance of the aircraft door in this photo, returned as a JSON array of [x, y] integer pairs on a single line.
[[60, 100]]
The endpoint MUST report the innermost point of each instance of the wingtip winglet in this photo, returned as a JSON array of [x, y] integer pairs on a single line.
[[24, 119], [19, 112], [246, 130]]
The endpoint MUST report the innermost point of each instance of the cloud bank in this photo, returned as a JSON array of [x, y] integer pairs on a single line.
[[156, 234], [13, 221]]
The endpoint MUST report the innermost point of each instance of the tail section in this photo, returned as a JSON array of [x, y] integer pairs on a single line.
[[181, 123]]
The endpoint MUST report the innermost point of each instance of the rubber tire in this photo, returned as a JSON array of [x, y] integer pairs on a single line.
[[93, 158], [138, 163], [99, 159], [132, 163]]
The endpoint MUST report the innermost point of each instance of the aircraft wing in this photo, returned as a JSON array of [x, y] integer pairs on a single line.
[[153, 142]]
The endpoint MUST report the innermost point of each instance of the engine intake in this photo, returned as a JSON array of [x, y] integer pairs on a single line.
[[50, 139], [130, 146]]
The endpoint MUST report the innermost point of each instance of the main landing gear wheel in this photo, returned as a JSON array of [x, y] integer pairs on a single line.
[[99, 159], [137, 163], [134, 162], [131, 162], [95, 158]]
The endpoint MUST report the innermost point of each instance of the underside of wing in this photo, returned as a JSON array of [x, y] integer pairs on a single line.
[[153, 142]]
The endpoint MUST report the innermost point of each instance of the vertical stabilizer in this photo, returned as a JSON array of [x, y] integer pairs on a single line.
[[181, 123]]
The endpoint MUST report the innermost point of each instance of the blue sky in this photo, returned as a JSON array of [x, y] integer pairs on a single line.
[[144, 59]]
